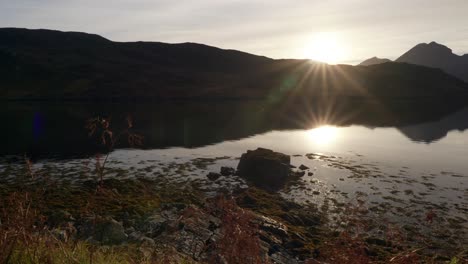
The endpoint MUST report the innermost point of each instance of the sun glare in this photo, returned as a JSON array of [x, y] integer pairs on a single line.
[[325, 47], [323, 135]]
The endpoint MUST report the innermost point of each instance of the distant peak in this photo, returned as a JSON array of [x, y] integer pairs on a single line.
[[374, 60], [436, 55], [435, 46], [425, 52]]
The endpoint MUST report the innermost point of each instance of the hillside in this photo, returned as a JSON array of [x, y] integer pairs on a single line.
[[54, 65]]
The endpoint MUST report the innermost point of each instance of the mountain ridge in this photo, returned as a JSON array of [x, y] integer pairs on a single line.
[[55, 65], [433, 55]]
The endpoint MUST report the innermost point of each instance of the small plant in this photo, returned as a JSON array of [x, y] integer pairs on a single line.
[[100, 127], [239, 242]]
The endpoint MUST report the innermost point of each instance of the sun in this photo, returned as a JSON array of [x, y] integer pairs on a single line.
[[325, 47], [323, 135]]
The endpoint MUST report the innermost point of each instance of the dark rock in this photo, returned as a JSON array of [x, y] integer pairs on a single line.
[[108, 231], [146, 241], [370, 252], [156, 225], [198, 230], [293, 219], [129, 230], [310, 173], [174, 206], [58, 217], [249, 201], [60, 234], [227, 171], [309, 218], [103, 230], [265, 168], [284, 257], [271, 226], [288, 205], [440, 258], [162, 221], [298, 174], [294, 244], [213, 176], [213, 226], [135, 236], [377, 241], [112, 233], [303, 167], [273, 249], [302, 217]]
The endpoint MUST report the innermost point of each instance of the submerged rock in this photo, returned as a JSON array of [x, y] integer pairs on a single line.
[[227, 171], [265, 168], [298, 173], [303, 167], [213, 176]]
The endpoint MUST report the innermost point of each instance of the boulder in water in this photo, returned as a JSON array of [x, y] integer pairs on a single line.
[[265, 168], [213, 176], [227, 171]]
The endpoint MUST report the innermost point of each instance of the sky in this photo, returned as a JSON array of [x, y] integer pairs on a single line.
[[342, 31]]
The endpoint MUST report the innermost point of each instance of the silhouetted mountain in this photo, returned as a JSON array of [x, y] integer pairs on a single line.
[[54, 65], [373, 61], [437, 56]]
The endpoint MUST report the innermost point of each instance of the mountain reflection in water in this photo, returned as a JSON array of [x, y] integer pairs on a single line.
[[53, 129]]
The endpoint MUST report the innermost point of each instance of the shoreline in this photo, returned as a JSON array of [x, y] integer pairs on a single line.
[[329, 212]]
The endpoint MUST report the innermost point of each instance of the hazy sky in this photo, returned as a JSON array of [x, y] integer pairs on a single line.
[[277, 29]]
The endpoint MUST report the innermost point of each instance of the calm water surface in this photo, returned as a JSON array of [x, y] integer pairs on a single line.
[[384, 145]]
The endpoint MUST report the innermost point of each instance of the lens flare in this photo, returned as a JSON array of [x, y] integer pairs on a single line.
[[323, 135]]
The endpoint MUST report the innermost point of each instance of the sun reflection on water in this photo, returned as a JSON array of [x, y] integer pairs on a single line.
[[323, 135]]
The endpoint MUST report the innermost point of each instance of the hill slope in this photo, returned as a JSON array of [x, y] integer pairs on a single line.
[[54, 65]]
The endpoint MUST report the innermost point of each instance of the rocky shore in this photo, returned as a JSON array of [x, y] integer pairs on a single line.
[[152, 218]]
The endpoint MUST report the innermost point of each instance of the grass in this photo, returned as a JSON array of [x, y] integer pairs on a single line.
[[29, 219], [24, 238], [28, 225]]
